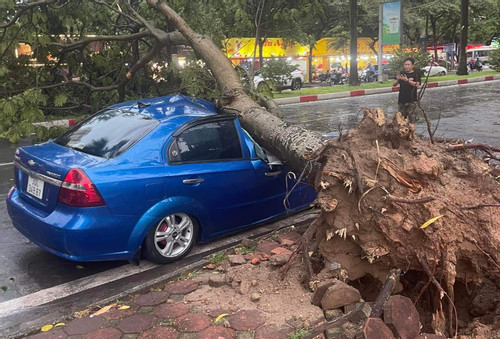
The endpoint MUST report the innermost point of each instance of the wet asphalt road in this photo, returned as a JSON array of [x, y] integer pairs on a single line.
[[467, 112], [471, 111]]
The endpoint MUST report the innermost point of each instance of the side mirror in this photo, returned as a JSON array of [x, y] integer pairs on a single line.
[[273, 160]]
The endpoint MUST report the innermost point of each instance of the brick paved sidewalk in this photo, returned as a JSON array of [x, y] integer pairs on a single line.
[[162, 314], [168, 312]]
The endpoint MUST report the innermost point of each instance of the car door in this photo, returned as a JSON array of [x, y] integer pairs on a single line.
[[276, 186], [209, 165]]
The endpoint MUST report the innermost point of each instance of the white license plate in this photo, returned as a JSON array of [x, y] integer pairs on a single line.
[[35, 187]]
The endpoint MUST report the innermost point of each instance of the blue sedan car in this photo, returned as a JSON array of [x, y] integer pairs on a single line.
[[147, 177]]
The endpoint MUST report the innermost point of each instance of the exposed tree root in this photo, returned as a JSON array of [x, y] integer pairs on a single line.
[[482, 147], [408, 201], [381, 215], [390, 282], [442, 292]]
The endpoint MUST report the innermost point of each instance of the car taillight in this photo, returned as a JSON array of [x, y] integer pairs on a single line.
[[78, 190]]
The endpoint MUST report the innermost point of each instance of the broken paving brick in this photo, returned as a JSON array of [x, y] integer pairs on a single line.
[[338, 295], [402, 316], [281, 250], [375, 328]]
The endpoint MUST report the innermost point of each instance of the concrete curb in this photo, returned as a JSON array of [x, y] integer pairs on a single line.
[[347, 94]]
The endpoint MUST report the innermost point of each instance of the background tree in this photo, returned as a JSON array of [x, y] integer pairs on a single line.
[[442, 18], [314, 20], [353, 49], [368, 22], [484, 20]]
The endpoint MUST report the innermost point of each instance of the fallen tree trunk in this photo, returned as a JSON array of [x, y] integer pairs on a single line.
[[388, 198], [290, 143]]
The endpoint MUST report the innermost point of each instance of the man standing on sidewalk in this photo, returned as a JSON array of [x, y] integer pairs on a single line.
[[409, 80]]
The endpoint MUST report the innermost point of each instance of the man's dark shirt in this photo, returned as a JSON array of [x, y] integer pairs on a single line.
[[407, 92]]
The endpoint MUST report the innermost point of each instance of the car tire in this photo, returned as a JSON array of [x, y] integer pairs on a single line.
[[296, 85], [442, 73], [171, 238]]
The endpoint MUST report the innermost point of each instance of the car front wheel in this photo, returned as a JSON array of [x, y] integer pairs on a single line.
[[171, 239], [296, 84]]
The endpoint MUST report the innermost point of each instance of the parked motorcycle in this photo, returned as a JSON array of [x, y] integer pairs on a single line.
[[324, 77], [337, 78], [368, 76]]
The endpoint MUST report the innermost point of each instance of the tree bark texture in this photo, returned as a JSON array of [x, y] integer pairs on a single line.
[[464, 28], [353, 45]]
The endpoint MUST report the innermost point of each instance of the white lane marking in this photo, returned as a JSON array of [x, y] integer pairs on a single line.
[[57, 292], [7, 164]]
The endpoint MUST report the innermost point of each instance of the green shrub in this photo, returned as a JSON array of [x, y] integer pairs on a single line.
[[19, 112], [397, 62], [43, 133], [494, 59]]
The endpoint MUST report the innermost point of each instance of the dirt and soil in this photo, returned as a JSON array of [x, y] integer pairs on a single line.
[[247, 286]]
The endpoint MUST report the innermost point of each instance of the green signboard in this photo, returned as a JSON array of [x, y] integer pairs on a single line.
[[391, 22]]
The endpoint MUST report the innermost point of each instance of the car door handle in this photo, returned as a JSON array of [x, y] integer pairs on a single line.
[[192, 181], [272, 174]]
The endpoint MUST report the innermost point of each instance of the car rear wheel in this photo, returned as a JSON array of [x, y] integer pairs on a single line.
[[296, 84], [442, 73], [171, 239]]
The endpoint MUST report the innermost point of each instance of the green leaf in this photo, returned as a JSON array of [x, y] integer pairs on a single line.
[[60, 99]]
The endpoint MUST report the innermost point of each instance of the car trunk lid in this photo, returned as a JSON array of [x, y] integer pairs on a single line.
[[40, 170]]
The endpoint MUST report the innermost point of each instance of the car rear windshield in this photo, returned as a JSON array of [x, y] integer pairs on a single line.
[[108, 134]]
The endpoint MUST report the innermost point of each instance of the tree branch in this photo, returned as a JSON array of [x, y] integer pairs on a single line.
[[86, 41], [75, 83], [118, 11], [24, 8], [163, 37]]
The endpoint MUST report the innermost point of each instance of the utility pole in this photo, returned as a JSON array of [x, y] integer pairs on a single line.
[[353, 27]]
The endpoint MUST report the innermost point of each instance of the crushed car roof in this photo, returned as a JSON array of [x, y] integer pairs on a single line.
[[169, 106]]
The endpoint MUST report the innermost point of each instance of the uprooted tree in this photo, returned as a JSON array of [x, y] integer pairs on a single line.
[[388, 199]]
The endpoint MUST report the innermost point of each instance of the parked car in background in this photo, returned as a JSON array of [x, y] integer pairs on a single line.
[[434, 70], [149, 176], [294, 81]]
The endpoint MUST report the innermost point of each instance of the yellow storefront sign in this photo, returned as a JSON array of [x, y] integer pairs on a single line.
[[273, 47], [236, 48]]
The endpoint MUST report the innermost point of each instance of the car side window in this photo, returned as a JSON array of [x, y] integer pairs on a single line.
[[211, 141]]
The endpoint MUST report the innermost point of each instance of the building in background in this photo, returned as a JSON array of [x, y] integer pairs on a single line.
[[325, 55]]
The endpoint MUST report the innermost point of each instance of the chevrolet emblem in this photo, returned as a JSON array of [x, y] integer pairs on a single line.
[[31, 162]]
